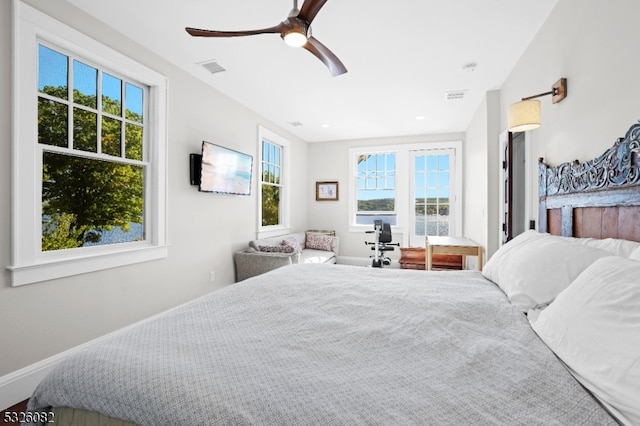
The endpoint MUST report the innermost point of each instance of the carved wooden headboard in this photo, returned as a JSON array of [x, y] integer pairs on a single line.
[[599, 198]]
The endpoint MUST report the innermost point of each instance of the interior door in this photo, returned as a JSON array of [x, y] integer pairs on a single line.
[[507, 168], [515, 185]]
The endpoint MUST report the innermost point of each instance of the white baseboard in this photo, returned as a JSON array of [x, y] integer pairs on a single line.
[[20, 384], [363, 261]]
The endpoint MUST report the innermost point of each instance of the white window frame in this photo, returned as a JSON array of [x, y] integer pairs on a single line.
[[29, 263], [284, 226], [454, 225], [404, 186]]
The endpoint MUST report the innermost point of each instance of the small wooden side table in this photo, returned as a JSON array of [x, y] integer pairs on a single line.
[[453, 245]]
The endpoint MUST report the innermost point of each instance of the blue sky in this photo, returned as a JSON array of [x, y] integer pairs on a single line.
[[53, 70]]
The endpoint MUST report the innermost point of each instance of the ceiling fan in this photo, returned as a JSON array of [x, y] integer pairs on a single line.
[[295, 31]]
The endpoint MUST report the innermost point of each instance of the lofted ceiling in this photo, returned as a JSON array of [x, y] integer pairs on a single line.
[[403, 58]]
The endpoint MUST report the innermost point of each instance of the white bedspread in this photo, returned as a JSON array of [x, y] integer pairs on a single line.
[[330, 345]]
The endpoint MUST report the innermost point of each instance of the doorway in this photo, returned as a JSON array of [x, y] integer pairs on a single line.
[[515, 188]]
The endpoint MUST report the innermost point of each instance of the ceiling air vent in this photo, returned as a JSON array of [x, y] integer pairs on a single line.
[[455, 95], [295, 123], [212, 66]]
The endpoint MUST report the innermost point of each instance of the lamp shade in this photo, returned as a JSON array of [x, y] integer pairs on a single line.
[[524, 115]]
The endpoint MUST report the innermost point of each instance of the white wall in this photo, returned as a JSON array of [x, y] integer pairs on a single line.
[[476, 179], [40, 320], [481, 175], [593, 44]]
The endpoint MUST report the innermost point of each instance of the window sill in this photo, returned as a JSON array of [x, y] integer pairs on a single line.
[[58, 268], [273, 231]]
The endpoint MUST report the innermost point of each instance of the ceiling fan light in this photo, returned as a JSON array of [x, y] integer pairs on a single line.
[[295, 39]]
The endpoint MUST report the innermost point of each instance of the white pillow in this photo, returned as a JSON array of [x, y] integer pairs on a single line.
[[594, 327], [614, 246], [533, 268], [635, 255]]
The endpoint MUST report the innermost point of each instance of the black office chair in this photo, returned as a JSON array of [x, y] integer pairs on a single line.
[[382, 243]]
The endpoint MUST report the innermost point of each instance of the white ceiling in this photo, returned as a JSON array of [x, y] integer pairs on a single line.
[[402, 58]]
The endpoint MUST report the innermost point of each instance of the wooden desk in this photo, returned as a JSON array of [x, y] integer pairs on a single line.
[[453, 245]]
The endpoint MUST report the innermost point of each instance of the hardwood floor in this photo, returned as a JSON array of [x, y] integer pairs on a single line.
[[7, 414]]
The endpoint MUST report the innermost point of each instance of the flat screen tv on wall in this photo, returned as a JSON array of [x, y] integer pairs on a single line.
[[222, 170]]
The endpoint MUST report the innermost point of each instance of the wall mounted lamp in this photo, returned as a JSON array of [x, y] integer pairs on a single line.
[[525, 115]]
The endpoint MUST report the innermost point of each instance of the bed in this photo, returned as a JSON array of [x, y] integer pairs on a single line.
[[546, 334]]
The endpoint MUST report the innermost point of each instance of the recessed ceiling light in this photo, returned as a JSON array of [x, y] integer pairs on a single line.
[[420, 117], [324, 126]]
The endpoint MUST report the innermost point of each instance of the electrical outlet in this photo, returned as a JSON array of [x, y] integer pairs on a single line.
[[212, 276]]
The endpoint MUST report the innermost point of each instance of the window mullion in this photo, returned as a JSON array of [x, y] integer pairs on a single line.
[[70, 105], [99, 112]]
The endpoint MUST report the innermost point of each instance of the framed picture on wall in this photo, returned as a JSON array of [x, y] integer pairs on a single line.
[[326, 191]]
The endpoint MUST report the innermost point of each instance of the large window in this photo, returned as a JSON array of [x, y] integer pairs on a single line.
[[89, 160], [413, 187], [273, 195], [271, 185], [91, 133]]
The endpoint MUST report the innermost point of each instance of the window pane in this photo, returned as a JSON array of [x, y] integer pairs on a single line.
[[272, 153], [272, 174], [443, 162], [390, 182], [432, 228], [431, 162], [368, 219], [420, 218], [111, 136], [53, 72], [276, 154], [276, 175], [133, 141], [133, 99], [52, 123], [90, 202], [85, 83], [391, 162], [85, 130], [111, 94], [432, 179], [270, 205]]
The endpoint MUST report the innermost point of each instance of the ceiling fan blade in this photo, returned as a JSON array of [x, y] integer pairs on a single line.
[[310, 9], [212, 33], [326, 56]]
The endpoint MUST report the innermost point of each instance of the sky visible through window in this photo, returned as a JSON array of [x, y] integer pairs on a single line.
[[53, 71]]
